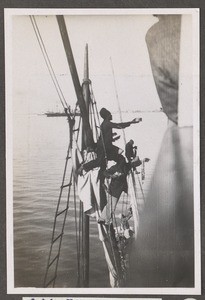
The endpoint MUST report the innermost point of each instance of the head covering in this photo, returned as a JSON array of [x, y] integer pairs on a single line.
[[104, 113]]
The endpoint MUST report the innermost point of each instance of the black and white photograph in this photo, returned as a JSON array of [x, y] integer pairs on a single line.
[[102, 151]]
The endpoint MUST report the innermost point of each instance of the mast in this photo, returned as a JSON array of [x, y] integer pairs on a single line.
[[86, 219], [83, 97]]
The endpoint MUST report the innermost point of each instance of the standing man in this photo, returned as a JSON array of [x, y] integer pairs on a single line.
[[105, 148]]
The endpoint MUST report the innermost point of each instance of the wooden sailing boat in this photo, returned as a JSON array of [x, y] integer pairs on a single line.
[[117, 236]]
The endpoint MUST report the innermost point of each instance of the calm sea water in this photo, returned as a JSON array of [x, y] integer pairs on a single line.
[[40, 148]]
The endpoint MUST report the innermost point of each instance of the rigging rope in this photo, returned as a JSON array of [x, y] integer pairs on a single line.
[[48, 62], [121, 120], [119, 108], [118, 102]]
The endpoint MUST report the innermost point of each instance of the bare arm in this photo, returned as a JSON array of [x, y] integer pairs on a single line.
[[125, 124]]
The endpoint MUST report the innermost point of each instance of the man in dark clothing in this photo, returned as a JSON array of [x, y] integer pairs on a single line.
[[130, 150], [105, 149]]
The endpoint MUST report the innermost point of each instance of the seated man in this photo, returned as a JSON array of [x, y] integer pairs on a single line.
[[130, 150], [105, 148]]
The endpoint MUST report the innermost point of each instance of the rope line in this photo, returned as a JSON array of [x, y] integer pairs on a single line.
[[48, 62], [121, 120], [118, 102]]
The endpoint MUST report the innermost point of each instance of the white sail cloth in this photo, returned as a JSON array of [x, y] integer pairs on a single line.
[[88, 185], [89, 191]]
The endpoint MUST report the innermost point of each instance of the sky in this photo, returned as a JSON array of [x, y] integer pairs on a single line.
[[117, 40]]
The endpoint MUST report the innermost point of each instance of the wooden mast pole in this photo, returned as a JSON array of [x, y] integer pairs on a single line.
[[83, 102], [86, 219]]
